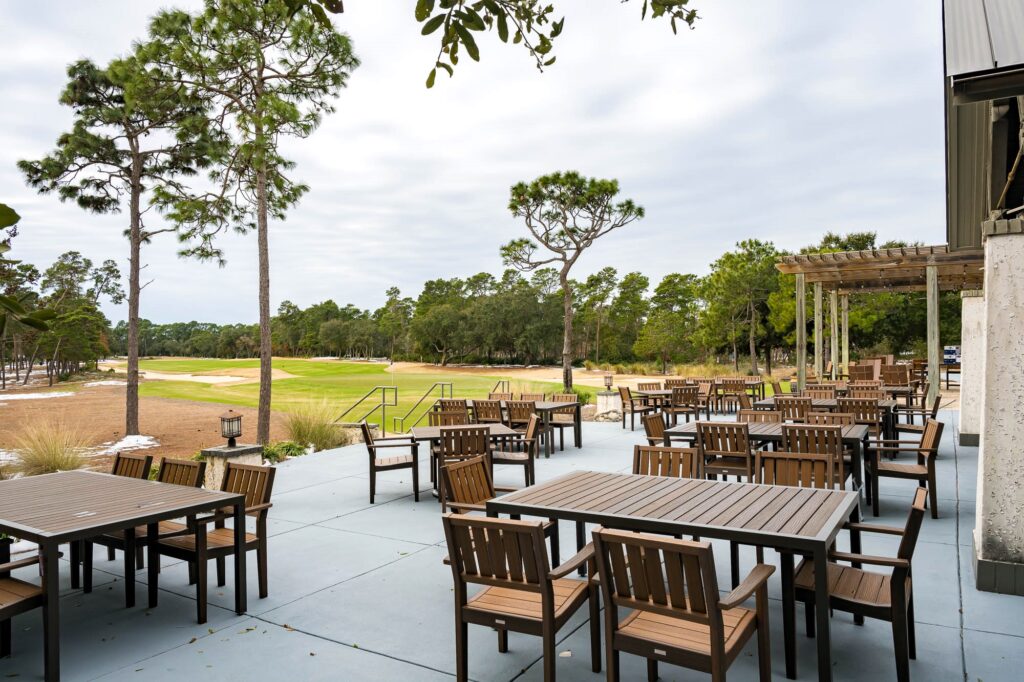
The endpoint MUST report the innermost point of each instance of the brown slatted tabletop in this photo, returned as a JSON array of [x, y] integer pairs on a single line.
[[802, 520], [71, 506], [829, 404], [421, 433]]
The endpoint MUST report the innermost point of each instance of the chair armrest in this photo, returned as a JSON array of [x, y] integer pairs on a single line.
[[869, 559], [581, 557], [20, 563], [464, 507], [873, 528], [394, 438], [412, 444], [505, 489], [755, 579]]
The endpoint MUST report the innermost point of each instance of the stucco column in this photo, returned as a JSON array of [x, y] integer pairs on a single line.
[[999, 533], [972, 339]]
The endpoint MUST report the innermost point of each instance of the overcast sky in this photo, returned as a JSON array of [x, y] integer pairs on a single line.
[[772, 119]]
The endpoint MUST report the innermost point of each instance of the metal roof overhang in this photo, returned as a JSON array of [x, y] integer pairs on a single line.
[[983, 49], [898, 269]]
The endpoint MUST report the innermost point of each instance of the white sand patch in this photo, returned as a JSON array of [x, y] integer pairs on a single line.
[[106, 382], [125, 444], [199, 378], [7, 456], [38, 396]]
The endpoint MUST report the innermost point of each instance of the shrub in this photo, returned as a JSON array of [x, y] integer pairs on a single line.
[[282, 450], [313, 424], [590, 364], [584, 395], [43, 447]]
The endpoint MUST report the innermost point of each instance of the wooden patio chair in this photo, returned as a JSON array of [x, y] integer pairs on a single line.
[[16, 596], [677, 614], [184, 472], [866, 383], [468, 485], [725, 447], [649, 460], [911, 412], [131, 465], [649, 386], [532, 397], [633, 406], [923, 471], [453, 405], [821, 440], [861, 372], [865, 411], [675, 383], [519, 413], [685, 401], [520, 450], [896, 375], [759, 416], [777, 388], [488, 412], [563, 418], [865, 393], [708, 397], [795, 469], [793, 408], [459, 443], [729, 395], [654, 428], [218, 543], [393, 462], [829, 419], [820, 392], [888, 597], [448, 417], [520, 594], [499, 396]]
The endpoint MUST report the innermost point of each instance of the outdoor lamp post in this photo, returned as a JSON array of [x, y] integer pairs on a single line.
[[608, 382], [231, 426]]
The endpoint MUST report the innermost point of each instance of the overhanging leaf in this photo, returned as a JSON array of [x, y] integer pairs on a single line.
[[8, 216]]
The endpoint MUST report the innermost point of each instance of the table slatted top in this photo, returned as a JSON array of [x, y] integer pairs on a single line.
[[434, 432], [768, 432], [539, 405], [826, 403], [712, 508], [71, 502]]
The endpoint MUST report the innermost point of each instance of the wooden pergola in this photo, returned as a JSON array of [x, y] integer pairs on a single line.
[[913, 268]]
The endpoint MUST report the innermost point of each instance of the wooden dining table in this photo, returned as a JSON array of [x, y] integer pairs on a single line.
[[802, 521], [887, 406], [71, 506], [854, 436], [545, 409]]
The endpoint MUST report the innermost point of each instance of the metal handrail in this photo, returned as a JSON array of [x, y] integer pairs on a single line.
[[501, 387], [399, 422], [382, 405]]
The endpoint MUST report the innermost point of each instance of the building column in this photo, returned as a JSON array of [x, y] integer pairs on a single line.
[[932, 294], [818, 364], [801, 332], [999, 533], [845, 321], [972, 340]]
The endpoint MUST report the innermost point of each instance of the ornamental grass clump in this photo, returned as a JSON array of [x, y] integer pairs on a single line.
[[44, 447], [312, 423]]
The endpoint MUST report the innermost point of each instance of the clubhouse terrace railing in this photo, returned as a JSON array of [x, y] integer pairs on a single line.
[[399, 422], [386, 396]]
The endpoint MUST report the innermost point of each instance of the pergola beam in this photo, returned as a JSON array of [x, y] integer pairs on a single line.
[[801, 333]]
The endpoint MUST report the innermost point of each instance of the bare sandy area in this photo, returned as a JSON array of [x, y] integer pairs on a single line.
[[220, 377]]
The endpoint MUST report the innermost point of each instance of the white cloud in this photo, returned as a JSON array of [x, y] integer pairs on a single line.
[[777, 119]]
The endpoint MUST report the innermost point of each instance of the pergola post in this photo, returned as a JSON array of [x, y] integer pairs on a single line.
[[845, 302], [972, 346], [833, 309], [818, 364], [801, 332], [932, 294]]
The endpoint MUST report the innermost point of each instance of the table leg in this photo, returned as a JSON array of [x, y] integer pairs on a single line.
[[821, 607], [545, 421], [577, 432], [129, 567], [75, 547], [240, 587], [788, 613], [51, 614], [857, 464], [581, 542], [153, 559]]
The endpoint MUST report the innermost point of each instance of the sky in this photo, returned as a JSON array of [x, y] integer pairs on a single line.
[[777, 120]]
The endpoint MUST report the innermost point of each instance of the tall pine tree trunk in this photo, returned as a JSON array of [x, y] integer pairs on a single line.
[[131, 417], [753, 339], [566, 332], [263, 416]]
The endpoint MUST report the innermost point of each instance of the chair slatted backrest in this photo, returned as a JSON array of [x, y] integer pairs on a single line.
[[865, 393], [497, 552], [626, 396], [649, 460], [864, 411], [776, 388], [467, 481], [685, 396], [896, 375], [821, 440], [447, 417], [659, 575], [723, 439], [743, 399], [520, 411], [820, 392], [706, 389], [487, 411], [565, 398], [181, 472], [734, 385], [910, 532], [654, 427], [499, 396], [800, 469], [130, 465], [453, 404], [532, 397], [866, 383], [675, 383], [464, 442], [255, 482], [793, 408], [930, 438], [649, 386], [862, 373], [759, 416], [829, 419]]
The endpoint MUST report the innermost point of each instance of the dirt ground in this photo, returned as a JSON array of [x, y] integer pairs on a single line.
[[182, 427]]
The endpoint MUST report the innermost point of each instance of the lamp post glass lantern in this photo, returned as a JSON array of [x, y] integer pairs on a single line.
[[231, 426], [608, 382]]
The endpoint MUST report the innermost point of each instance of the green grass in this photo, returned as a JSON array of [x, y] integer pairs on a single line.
[[341, 384]]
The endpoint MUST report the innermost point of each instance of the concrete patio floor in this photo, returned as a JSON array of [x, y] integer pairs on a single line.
[[359, 592]]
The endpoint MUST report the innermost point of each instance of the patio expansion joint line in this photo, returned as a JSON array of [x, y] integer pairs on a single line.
[[959, 570]]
